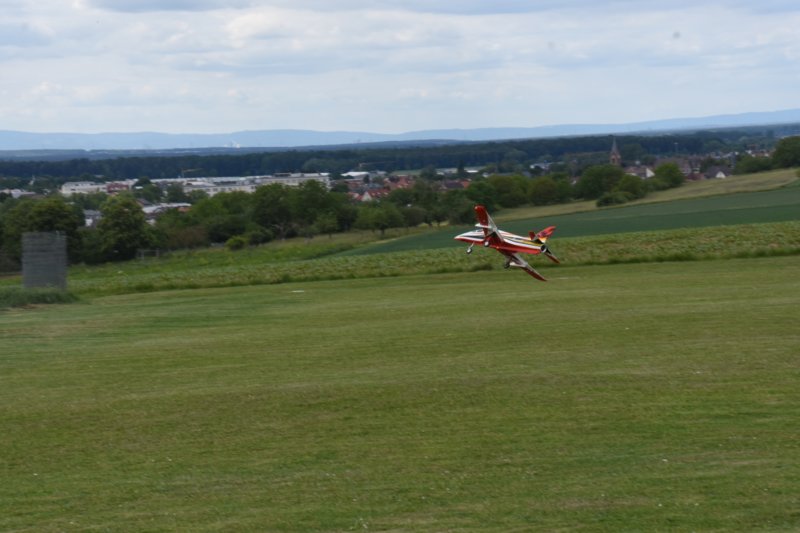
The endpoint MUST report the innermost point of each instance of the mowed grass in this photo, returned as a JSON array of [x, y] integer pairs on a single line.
[[643, 397]]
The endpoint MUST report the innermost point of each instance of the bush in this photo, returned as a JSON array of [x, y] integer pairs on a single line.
[[19, 297], [236, 242], [257, 236], [614, 198]]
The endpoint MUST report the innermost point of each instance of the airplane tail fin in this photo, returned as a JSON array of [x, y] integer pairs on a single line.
[[541, 238]]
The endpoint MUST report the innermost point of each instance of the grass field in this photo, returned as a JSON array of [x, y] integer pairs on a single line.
[[774, 205], [641, 397], [651, 385]]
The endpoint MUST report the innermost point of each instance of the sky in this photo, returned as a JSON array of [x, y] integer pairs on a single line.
[[389, 66]]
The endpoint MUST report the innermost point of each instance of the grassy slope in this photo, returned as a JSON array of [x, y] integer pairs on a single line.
[[741, 208], [636, 397]]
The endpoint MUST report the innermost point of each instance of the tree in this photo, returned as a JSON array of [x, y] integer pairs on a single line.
[[429, 173], [631, 185], [670, 173], [457, 207], [307, 201], [379, 217], [326, 223], [598, 179], [543, 190], [461, 172], [272, 208], [510, 191], [747, 164], [222, 215], [176, 230], [123, 229], [482, 193], [49, 214], [146, 190], [787, 153], [175, 193]]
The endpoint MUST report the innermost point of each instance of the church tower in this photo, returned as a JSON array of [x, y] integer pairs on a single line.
[[615, 158]]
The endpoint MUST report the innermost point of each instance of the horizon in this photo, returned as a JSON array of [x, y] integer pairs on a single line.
[[17, 141], [403, 132]]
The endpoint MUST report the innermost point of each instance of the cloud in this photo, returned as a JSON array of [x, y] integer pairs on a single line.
[[145, 6], [23, 34], [389, 65]]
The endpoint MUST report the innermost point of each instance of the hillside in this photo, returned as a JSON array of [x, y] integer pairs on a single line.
[[766, 197]]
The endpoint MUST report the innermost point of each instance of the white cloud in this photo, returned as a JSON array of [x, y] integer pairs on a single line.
[[388, 65]]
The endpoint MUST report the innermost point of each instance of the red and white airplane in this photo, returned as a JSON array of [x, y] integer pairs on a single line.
[[508, 244]]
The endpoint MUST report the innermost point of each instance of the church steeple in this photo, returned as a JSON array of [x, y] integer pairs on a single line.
[[615, 158]]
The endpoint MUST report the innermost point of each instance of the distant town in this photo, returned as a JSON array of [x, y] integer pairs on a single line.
[[119, 206]]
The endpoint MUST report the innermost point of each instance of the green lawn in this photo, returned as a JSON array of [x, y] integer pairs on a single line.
[[643, 397]]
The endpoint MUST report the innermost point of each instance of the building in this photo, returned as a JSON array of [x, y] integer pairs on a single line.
[[82, 187], [247, 184], [615, 158]]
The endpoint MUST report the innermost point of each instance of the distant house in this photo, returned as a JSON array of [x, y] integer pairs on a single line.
[[370, 195], [643, 172], [455, 185], [17, 193], [116, 187], [717, 173], [82, 187], [399, 182], [91, 217], [152, 211]]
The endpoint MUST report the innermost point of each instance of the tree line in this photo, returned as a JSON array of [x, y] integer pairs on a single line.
[[577, 153]]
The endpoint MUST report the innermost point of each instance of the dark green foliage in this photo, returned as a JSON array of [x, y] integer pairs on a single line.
[[379, 217], [19, 297], [48, 214], [631, 185], [272, 208], [614, 198], [787, 153], [481, 192], [670, 174], [236, 243], [509, 191], [123, 229], [598, 180], [748, 164]]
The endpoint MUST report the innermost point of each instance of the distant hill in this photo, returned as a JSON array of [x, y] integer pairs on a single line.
[[287, 138]]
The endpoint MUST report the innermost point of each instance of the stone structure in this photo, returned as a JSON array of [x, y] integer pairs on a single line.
[[44, 260]]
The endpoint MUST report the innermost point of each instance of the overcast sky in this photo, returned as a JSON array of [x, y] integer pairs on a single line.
[[202, 66]]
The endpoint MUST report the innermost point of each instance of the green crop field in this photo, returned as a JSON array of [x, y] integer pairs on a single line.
[[774, 205], [638, 397]]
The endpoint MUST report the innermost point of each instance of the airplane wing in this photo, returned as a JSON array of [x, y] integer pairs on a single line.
[[487, 232], [515, 260], [484, 220], [474, 236], [491, 233]]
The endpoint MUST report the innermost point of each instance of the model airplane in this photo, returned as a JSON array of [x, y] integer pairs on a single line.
[[508, 244]]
